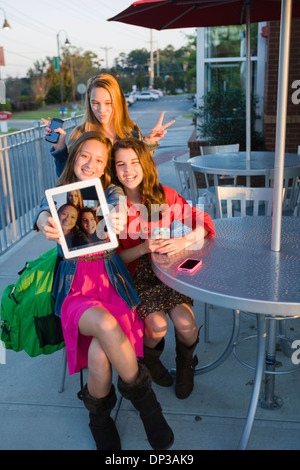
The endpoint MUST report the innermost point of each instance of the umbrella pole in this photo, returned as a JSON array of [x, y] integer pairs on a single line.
[[248, 83], [282, 94]]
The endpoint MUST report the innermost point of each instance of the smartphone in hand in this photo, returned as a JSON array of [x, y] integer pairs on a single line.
[[54, 136]]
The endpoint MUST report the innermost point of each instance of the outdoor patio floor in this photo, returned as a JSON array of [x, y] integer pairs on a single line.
[[33, 415]]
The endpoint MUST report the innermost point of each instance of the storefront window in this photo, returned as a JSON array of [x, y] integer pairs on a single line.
[[226, 75], [224, 57], [229, 41]]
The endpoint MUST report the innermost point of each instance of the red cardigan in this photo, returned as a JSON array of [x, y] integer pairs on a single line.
[[176, 209]]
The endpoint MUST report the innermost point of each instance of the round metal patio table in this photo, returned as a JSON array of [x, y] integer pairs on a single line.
[[241, 272], [236, 164]]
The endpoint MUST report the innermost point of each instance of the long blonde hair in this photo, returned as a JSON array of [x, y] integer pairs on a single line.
[[68, 176], [122, 122]]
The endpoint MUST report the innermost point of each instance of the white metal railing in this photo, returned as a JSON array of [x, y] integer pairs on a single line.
[[27, 169]]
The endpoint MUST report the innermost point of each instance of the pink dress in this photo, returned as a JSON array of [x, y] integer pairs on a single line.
[[91, 287]]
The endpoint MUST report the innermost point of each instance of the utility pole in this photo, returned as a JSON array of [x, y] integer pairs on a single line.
[[106, 55], [151, 74]]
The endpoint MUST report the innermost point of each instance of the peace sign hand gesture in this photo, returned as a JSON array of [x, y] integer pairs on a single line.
[[158, 131]]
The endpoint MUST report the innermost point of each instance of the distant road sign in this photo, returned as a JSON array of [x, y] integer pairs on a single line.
[[4, 115], [81, 88]]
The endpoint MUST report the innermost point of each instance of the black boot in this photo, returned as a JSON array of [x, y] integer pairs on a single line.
[[102, 426], [143, 398], [158, 372], [185, 366]]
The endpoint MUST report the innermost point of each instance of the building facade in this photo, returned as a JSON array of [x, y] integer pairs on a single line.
[[221, 61]]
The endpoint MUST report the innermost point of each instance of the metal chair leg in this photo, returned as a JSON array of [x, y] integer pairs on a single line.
[[64, 369], [206, 323]]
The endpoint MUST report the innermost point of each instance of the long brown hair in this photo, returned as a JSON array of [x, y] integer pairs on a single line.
[[122, 122], [151, 190], [68, 175]]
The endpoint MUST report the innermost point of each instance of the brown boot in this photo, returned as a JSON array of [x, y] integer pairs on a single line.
[[102, 426], [185, 366], [143, 398], [160, 375]]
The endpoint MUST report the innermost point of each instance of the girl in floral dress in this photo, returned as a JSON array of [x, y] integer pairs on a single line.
[[136, 171]]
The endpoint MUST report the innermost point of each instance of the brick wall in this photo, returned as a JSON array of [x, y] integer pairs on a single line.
[[271, 78]]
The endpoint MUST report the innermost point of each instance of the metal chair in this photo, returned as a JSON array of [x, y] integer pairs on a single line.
[[296, 211], [251, 201], [208, 149], [291, 183], [205, 150], [186, 180]]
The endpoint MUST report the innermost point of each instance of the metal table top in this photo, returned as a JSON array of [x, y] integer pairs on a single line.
[[235, 163], [239, 270]]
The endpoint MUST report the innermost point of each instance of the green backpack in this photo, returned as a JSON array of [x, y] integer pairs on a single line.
[[28, 321]]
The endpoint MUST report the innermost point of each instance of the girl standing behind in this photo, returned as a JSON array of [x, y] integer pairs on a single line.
[[97, 304], [136, 172], [75, 197], [106, 112]]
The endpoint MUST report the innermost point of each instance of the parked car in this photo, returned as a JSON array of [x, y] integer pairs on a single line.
[[146, 95], [156, 92], [130, 98]]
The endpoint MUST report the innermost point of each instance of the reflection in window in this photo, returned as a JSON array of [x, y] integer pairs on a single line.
[[222, 76], [229, 41]]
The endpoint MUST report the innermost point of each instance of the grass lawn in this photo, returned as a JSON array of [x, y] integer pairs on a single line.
[[13, 129], [42, 113]]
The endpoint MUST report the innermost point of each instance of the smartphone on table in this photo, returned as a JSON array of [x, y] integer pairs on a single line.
[[190, 265], [54, 136]]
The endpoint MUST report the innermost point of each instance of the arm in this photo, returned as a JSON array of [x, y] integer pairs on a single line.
[[46, 224], [131, 254], [175, 245], [60, 157], [200, 223], [117, 207], [59, 150]]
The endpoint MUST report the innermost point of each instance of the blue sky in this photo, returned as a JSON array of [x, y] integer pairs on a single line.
[[35, 24]]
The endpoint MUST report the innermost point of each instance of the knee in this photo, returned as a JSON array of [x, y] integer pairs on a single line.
[[106, 325], [184, 320], [156, 325]]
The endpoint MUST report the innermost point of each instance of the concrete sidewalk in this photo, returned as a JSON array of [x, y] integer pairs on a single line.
[[33, 415]]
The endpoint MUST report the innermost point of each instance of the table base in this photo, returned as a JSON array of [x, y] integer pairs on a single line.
[[265, 363]]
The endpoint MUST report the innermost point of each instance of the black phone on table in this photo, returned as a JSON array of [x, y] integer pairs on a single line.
[[54, 136]]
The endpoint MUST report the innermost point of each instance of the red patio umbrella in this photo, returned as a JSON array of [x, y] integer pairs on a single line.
[[170, 14]]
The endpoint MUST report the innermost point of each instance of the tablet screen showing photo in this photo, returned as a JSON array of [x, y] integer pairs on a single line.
[[81, 212]]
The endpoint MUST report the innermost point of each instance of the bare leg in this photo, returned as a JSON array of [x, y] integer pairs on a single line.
[[185, 324], [109, 346]]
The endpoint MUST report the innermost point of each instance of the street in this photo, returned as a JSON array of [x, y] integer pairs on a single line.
[[144, 114]]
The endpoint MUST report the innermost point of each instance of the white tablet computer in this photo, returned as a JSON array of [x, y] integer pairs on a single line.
[[81, 212]]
